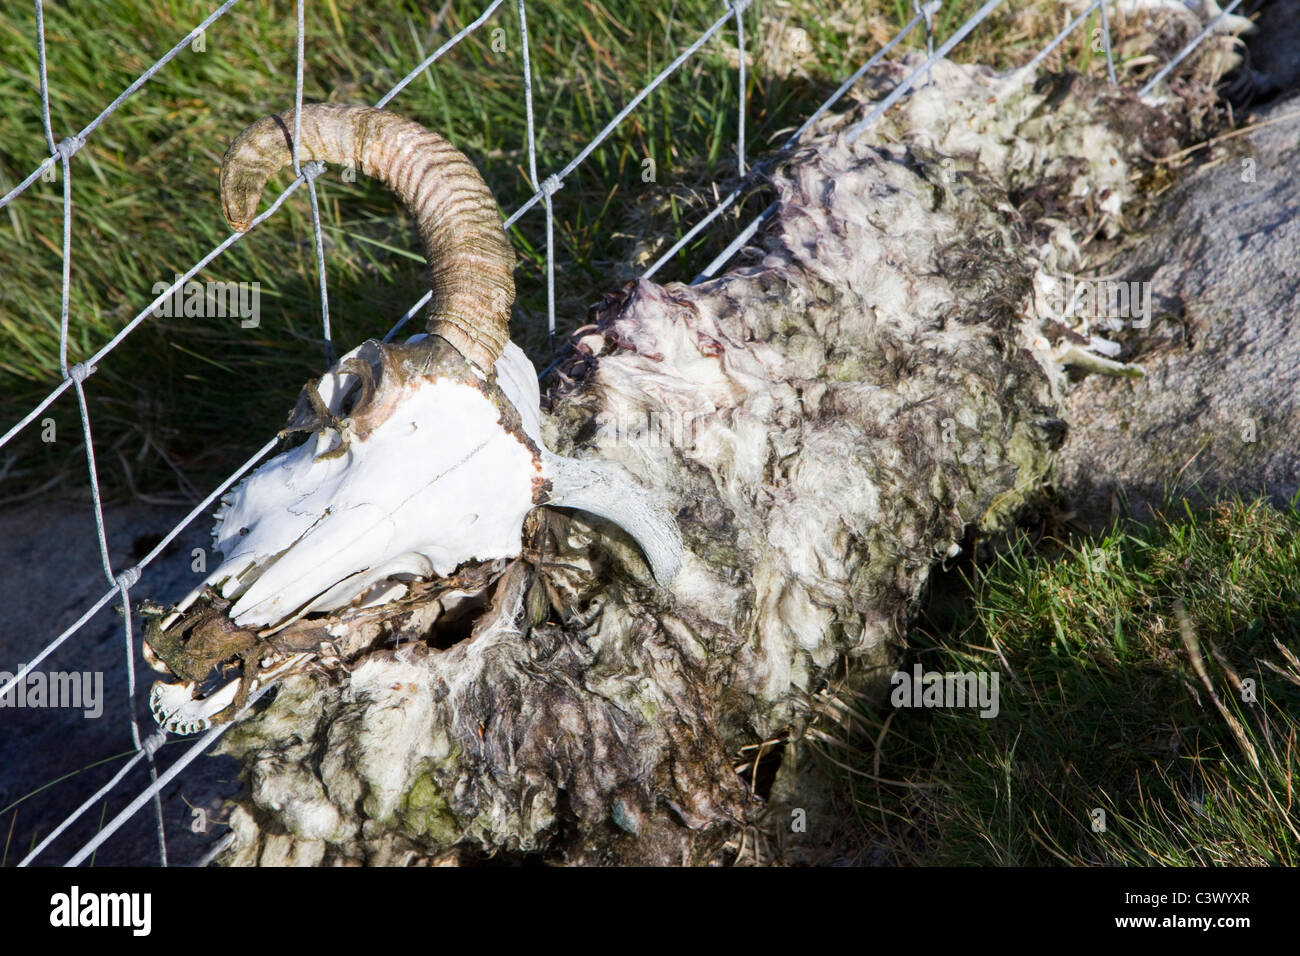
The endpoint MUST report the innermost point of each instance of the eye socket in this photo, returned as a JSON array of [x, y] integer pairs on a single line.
[[361, 374], [351, 398]]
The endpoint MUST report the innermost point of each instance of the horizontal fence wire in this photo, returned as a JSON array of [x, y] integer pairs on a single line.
[[73, 377]]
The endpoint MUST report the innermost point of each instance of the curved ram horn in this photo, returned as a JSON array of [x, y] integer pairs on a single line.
[[470, 258]]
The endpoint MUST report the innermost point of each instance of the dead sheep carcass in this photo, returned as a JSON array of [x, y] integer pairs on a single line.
[[563, 652]]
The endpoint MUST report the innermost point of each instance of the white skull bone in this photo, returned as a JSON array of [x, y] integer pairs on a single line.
[[436, 469]]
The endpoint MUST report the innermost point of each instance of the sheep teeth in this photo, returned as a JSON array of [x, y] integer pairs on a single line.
[[177, 711]]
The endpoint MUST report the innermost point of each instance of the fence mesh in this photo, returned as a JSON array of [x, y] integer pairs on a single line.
[[63, 151]]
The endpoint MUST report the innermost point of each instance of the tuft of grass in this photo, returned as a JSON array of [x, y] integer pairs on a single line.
[[1149, 680]]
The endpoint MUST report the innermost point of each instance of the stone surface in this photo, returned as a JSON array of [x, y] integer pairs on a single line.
[[1219, 408]]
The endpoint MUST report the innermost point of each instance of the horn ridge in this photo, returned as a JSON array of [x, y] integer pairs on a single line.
[[471, 261]]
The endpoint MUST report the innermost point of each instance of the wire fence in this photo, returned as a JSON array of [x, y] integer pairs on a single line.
[[62, 152]]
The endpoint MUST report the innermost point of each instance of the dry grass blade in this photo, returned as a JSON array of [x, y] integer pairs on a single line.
[[1193, 647]]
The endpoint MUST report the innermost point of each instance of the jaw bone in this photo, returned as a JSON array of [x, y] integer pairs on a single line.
[[178, 708]]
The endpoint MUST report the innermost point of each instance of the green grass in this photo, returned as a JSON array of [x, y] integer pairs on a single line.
[[196, 396], [1122, 663]]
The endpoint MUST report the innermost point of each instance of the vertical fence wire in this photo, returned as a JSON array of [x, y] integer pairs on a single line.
[[62, 152], [310, 176], [740, 6], [531, 136], [1105, 39]]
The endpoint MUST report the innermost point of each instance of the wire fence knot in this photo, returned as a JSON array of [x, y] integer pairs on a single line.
[[128, 578], [68, 148], [81, 371], [739, 6], [311, 170], [153, 742], [551, 185]]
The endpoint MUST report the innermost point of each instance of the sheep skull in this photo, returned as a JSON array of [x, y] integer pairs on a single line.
[[420, 457]]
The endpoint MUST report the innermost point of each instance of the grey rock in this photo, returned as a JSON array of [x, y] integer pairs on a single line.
[[1219, 408]]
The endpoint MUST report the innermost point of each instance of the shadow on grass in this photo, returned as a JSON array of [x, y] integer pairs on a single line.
[[1148, 687]]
